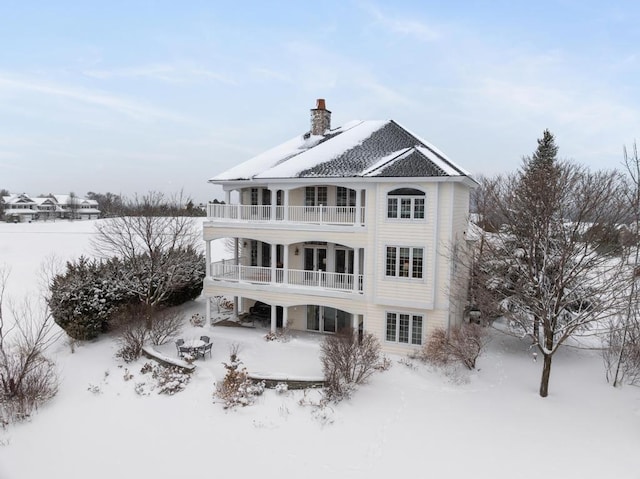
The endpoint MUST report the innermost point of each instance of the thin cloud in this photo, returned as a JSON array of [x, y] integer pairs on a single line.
[[402, 26], [162, 72], [104, 100]]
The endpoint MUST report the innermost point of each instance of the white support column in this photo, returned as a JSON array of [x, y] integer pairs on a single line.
[[274, 317], [356, 269], [359, 207], [285, 316], [286, 205], [207, 310], [285, 264], [236, 249], [274, 200], [235, 307], [355, 321], [274, 256], [227, 196], [207, 255]]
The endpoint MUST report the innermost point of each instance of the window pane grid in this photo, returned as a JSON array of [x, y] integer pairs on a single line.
[[392, 207], [418, 208], [417, 263], [404, 262], [404, 328], [322, 195], [405, 207], [391, 327], [416, 330], [391, 261]]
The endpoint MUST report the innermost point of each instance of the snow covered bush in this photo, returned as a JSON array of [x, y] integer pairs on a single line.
[[133, 332], [347, 361], [83, 298], [462, 345], [170, 380], [197, 320], [236, 389]]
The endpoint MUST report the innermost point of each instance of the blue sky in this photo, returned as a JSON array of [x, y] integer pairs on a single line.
[[135, 96]]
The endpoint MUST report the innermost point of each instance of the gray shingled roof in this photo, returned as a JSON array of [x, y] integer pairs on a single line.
[[360, 149], [413, 164], [383, 142]]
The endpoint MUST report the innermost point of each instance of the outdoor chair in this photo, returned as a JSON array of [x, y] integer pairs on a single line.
[[179, 342], [206, 339], [183, 350], [203, 350]]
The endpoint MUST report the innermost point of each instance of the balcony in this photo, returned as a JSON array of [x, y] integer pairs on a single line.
[[320, 215], [227, 271]]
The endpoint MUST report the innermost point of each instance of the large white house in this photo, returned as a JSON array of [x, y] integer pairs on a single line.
[[357, 226]]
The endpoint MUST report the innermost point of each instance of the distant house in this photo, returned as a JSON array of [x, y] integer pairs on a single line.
[[77, 208], [19, 208], [355, 226], [23, 208]]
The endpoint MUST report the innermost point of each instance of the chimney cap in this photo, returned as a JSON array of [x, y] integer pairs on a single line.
[[320, 104]]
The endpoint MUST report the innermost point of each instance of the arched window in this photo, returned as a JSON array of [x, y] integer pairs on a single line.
[[405, 203]]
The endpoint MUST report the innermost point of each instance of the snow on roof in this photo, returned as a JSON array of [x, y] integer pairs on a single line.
[[441, 161], [279, 162], [384, 161], [15, 199], [358, 149]]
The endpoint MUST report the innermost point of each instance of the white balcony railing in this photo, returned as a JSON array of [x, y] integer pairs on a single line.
[[227, 271], [337, 215]]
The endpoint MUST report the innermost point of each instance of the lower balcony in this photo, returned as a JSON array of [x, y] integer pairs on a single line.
[[228, 271]]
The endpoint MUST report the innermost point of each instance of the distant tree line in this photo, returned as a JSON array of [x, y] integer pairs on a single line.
[[113, 205]]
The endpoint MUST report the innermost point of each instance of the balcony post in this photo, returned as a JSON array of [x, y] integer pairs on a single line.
[[207, 253], [274, 257], [285, 264], [285, 316], [286, 205], [356, 269], [358, 207], [273, 194], [274, 317]]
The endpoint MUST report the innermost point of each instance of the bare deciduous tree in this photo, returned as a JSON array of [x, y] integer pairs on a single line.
[[348, 360], [27, 377], [622, 351], [160, 250], [547, 262]]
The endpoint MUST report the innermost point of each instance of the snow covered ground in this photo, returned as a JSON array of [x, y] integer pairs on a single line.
[[408, 420]]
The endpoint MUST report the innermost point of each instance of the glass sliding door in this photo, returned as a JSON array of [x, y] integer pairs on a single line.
[[326, 319]]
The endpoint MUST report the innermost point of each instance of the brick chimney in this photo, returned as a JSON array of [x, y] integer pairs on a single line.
[[320, 118]]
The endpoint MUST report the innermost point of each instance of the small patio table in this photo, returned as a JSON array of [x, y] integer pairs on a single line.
[[193, 343]]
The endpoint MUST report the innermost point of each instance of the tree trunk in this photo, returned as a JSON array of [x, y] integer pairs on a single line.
[[546, 372]]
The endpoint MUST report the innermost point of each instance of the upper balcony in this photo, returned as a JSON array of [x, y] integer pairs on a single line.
[[318, 215]]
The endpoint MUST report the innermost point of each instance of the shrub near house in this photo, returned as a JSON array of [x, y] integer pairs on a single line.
[[85, 298]]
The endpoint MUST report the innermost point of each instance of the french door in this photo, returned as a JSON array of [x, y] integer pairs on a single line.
[[326, 319]]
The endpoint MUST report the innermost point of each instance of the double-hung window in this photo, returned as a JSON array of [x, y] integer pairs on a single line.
[[405, 262], [404, 328], [345, 196], [315, 196], [405, 203]]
